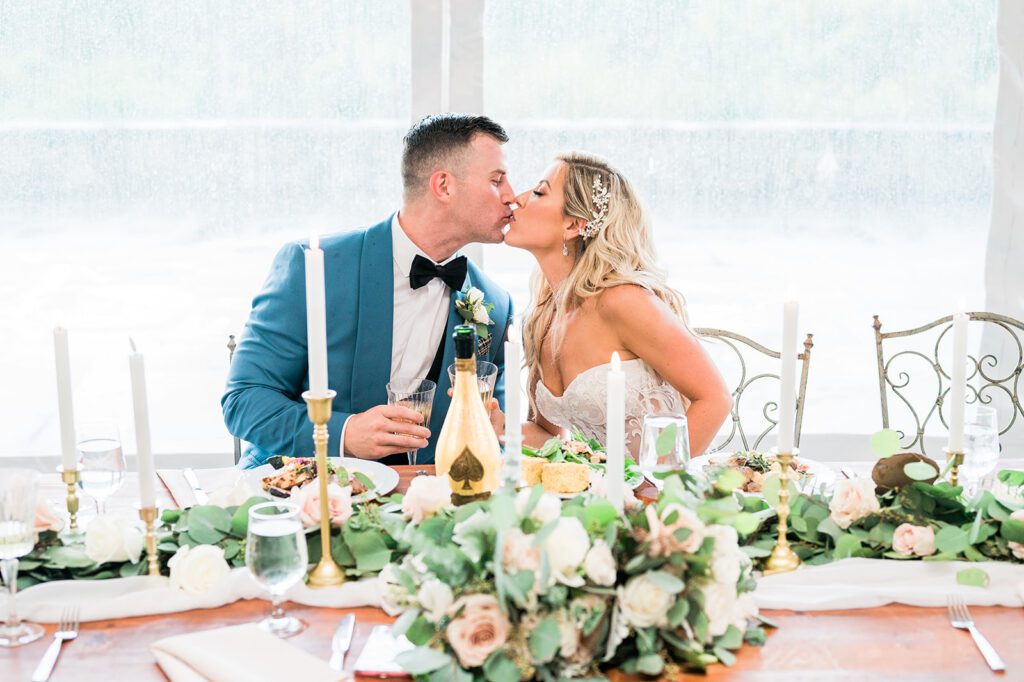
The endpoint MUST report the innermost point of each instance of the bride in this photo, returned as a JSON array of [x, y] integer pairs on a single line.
[[597, 291]]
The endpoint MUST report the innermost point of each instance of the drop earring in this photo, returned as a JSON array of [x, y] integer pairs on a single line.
[[565, 248]]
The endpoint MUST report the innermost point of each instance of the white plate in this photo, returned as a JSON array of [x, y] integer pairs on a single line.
[[384, 477], [819, 476]]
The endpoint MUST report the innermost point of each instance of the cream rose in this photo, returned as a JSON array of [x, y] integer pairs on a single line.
[[643, 603], [518, 553], [854, 498], [599, 564], [724, 607], [727, 558], [113, 538], [480, 316], [435, 598], [547, 509], [198, 569], [474, 296], [426, 496], [661, 539], [46, 517], [234, 495], [1017, 548], [339, 503], [909, 540], [566, 548], [478, 630]]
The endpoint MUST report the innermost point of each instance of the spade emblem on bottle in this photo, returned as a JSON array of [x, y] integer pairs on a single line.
[[466, 468]]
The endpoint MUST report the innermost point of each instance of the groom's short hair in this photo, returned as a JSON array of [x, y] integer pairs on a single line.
[[437, 140]]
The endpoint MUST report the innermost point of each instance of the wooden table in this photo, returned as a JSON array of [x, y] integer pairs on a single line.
[[892, 642]]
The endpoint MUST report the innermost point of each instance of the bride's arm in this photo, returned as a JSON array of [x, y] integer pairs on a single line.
[[649, 329], [538, 430]]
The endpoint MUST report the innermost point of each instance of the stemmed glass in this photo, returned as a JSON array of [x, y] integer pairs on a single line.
[[275, 554], [664, 446], [18, 491], [486, 376], [416, 394], [100, 462], [981, 446]]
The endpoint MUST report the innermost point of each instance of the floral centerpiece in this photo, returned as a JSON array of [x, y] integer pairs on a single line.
[[529, 587]]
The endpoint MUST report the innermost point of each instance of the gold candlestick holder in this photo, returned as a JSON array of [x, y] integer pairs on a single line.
[[783, 558], [72, 534], [327, 572], [953, 460], [148, 516]]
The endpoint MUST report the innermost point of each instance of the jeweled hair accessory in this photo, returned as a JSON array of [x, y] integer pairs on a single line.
[[600, 212]]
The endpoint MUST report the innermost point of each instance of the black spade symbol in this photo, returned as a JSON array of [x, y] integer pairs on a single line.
[[466, 468]]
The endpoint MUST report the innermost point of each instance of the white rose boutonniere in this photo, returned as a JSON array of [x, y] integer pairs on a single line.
[[474, 310]]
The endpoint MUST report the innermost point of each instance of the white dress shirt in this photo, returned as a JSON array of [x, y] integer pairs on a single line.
[[420, 316]]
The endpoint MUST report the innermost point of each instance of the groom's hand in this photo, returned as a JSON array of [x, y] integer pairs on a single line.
[[384, 430]]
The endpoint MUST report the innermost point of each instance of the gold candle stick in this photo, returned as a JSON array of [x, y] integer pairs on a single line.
[[954, 460], [782, 558], [71, 477], [148, 516], [326, 572]]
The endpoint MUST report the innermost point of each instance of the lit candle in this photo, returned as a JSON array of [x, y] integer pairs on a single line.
[[143, 448], [513, 413], [958, 379], [316, 318], [65, 405], [787, 395], [615, 474]]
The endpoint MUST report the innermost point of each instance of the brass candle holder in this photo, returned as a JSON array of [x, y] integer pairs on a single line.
[[953, 460], [327, 572], [783, 558], [72, 534], [148, 516]]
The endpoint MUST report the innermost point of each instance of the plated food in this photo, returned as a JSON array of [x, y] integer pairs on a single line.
[[282, 476], [757, 466], [564, 467]]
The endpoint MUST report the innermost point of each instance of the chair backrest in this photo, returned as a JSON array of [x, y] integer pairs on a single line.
[[231, 356], [741, 432], [986, 379]]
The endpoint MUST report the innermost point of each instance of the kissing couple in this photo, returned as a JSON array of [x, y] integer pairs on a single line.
[[395, 287]]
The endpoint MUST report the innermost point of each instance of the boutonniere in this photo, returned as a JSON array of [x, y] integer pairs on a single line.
[[471, 307]]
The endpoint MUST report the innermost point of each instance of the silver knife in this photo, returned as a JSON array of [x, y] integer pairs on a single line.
[[197, 492], [341, 641]]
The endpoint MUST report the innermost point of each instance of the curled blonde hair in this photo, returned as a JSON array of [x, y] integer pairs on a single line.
[[622, 252]]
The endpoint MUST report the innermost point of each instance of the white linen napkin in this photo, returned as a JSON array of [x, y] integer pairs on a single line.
[[144, 596], [239, 653], [867, 583]]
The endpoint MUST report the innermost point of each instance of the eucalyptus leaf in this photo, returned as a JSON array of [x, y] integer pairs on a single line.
[[951, 540], [422, 660], [885, 443], [499, 668], [545, 640], [972, 576], [666, 443], [919, 471]]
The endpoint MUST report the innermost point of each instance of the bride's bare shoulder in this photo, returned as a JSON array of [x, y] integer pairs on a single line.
[[625, 301]]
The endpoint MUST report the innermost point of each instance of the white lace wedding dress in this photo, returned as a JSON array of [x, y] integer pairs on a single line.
[[583, 403]]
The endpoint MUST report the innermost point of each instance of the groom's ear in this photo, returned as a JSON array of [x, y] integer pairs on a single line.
[[440, 186]]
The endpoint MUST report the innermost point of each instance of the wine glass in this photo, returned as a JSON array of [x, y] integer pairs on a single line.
[[486, 376], [100, 462], [664, 446], [981, 446], [416, 394], [18, 491], [275, 554]]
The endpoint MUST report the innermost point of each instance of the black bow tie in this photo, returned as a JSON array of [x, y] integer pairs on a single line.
[[423, 270]]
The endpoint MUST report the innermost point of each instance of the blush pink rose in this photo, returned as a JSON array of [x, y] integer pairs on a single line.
[[46, 517], [854, 499], [1017, 547], [910, 540], [660, 537], [339, 503], [479, 630]]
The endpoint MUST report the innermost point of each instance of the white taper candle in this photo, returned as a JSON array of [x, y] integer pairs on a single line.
[[143, 445], [615, 474], [316, 318], [65, 404]]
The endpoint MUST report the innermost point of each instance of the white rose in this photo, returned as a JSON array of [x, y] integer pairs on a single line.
[[113, 538], [600, 564], [548, 508], [198, 569], [480, 316], [425, 497], [724, 607], [726, 557], [235, 495], [643, 603], [474, 296], [518, 553], [567, 547], [466, 534], [394, 597], [435, 598], [854, 499]]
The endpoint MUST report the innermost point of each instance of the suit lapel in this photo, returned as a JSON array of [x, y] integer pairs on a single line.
[[371, 369]]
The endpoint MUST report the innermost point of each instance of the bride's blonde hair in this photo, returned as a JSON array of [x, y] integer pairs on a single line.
[[621, 252]]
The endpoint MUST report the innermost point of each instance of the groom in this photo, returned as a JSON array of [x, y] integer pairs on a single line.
[[391, 292]]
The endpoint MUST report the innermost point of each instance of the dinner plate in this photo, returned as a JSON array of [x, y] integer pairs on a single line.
[[385, 479], [820, 477]]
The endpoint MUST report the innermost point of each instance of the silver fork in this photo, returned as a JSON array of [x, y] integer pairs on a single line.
[[961, 619], [66, 631]]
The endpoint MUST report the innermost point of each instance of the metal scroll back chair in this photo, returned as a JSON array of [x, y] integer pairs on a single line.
[[231, 356], [988, 377], [739, 431]]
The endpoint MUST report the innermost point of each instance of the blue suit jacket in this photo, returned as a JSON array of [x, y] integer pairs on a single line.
[[263, 401]]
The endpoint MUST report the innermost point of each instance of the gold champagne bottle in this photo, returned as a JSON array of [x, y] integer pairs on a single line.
[[467, 449]]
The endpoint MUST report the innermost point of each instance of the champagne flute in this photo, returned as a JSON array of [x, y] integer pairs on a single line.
[[416, 394], [664, 446], [275, 554], [18, 491], [486, 376], [100, 461]]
